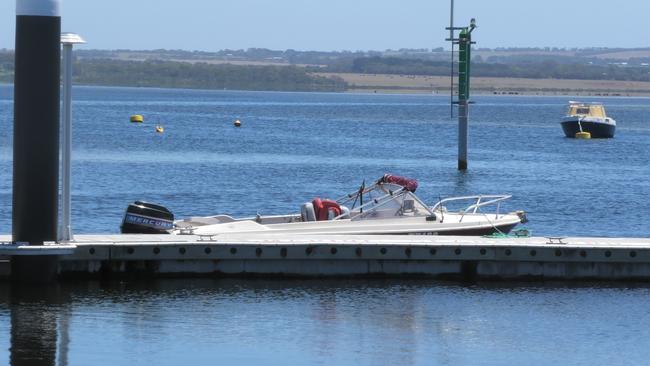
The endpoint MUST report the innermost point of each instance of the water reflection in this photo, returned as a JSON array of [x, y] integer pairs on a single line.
[[36, 313], [278, 322]]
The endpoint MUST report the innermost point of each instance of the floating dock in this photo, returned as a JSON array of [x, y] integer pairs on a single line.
[[462, 257]]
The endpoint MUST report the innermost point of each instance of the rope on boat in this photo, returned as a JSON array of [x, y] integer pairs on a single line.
[[519, 233]]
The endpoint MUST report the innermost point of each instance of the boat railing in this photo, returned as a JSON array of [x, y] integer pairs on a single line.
[[480, 201]]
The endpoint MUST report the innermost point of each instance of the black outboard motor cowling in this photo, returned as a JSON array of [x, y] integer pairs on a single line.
[[147, 218]]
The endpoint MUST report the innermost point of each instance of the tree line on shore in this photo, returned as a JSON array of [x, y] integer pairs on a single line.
[[509, 55], [547, 69], [205, 75], [170, 74]]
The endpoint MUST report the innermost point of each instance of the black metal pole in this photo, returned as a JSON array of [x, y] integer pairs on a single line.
[[36, 121], [36, 135]]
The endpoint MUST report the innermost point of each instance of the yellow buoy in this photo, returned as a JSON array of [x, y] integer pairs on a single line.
[[237, 123], [160, 129], [583, 135], [137, 118]]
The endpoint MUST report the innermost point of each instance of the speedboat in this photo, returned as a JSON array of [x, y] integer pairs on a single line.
[[388, 206], [588, 119]]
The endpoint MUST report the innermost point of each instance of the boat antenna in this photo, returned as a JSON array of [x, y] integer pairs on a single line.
[[361, 189], [442, 214], [358, 193]]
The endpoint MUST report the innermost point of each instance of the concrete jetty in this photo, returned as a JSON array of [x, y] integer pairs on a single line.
[[563, 258]]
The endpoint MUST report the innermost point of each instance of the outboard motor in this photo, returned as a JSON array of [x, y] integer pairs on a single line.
[[147, 218]]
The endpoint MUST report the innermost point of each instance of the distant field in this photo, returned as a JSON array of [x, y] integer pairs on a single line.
[[135, 56], [440, 84], [488, 53], [624, 55]]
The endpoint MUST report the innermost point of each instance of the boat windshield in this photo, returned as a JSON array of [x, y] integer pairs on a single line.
[[389, 201], [582, 109]]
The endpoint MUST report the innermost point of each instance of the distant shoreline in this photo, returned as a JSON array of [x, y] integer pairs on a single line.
[[417, 84], [439, 85], [594, 72]]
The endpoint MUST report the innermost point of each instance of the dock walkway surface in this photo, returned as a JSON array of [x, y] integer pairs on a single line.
[[359, 255]]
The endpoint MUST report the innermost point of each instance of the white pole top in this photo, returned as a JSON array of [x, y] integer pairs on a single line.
[[48, 8], [71, 38]]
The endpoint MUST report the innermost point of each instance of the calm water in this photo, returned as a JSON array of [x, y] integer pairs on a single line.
[[295, 146], [327, 322]]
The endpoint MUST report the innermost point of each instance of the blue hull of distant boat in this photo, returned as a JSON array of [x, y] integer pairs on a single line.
[[596, 129]]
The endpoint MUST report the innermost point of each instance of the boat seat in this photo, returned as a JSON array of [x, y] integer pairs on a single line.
[[345, 212], [307, 212], [318, 207], [326, 209], [408, 206]]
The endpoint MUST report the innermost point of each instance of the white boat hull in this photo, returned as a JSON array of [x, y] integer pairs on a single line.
[[447, 224]]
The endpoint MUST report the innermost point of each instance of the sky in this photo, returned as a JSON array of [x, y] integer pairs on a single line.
[[334, 25]]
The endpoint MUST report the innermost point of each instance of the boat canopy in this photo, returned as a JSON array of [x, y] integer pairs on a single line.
[[409, 184]]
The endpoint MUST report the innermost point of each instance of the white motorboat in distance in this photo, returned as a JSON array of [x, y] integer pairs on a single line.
[[590, 118], [388, 206]]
